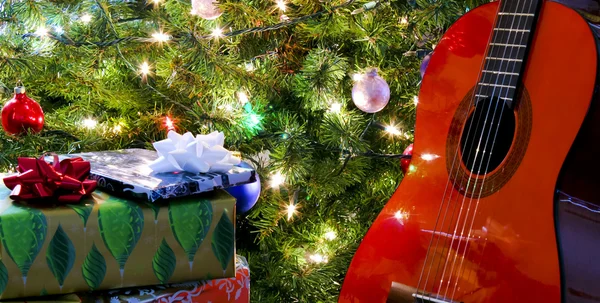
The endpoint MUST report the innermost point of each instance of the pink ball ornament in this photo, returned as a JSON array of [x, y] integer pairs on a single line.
[[370, 92], [206, 9]]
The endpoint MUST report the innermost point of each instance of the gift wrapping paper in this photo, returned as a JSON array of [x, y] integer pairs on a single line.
[[127, 173], [229, 290], [106, 242]]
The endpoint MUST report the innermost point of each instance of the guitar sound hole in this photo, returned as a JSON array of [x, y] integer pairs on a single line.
[[487, 137]]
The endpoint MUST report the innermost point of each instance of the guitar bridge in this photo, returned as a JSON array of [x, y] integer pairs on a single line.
[[401, 293]]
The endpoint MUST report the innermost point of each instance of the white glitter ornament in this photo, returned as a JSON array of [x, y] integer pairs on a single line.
[[370, 92], [206, 9]]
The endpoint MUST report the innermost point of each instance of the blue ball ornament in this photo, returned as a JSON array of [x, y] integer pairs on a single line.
[[245, 194]]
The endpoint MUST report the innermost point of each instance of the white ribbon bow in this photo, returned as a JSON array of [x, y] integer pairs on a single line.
[[202, 154]]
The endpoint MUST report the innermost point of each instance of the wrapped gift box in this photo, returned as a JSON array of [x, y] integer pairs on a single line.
[[107, 242], [126, 173], [230, 290]]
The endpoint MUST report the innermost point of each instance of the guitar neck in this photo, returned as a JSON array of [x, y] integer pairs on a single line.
[[508, 49]]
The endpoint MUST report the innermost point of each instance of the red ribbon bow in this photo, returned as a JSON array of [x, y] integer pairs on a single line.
[[64, 181]]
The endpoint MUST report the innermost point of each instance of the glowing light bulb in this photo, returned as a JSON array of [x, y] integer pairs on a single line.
[[404, 20], [144, 68], [89, 123], [169, 123], [41, 31], [59, 30], [416, 100], [86, 18], [228, 107], [117, 129], [249, 67], [429, 157], [357, 77], [330, 235], [156, 2], [217, 32], [317, 258], [434, 46], [291, 210], [281, 5], [242, 97], [160, 37], [335, 107], [393, 130], [277, 179]]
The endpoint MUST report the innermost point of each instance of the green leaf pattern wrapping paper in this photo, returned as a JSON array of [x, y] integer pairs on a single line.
[[60, 255], [223, 235], [190, 223], [23, 232], [127, 244]]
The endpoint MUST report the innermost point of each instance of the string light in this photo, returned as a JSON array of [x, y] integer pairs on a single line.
[[357, 77], [416, 100], [393, 130], [41, 31], [404, 20], [317, 258], [277, 179], [144, 68], [217, 32], [429, 157], [86, 18], [169, 123], [291, 210], [242, 97], [59, 30], [335, 107], [89, 123], [250, 67], [330, 235], [281, 5], [156, 2], [160, 37], [117, 129]]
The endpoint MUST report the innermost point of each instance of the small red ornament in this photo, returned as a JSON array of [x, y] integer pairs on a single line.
[[405, 163], [21, 114]]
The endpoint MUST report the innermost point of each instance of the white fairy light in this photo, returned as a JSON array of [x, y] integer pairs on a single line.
[[41, 31], [281, 5], [416, 100], [250, 67], [357, 77], [217, 32], [242, 97], [291, 210], [160, 37], [393, 130], [144, 68], [89, 123], [335, 107], [86, 18], [277, 179], [330, 235], [404, 20], [318, 258], [59, 30], [117, 129]]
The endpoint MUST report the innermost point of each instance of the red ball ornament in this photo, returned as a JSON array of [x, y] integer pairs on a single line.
[[370, 92], [21, 114], [405, 163]]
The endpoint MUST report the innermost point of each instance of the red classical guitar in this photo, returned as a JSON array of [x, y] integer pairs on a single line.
[[501, 203]]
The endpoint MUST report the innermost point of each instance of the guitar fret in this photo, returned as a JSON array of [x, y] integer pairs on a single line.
[[500, 73], [508, 45], [511, 30], [504, 59], [516, 14], [497, 85]]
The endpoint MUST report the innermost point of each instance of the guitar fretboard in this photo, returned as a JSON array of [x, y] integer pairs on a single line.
[[508, 49]]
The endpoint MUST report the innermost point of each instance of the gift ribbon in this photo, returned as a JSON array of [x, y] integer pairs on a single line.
[[66, 181]]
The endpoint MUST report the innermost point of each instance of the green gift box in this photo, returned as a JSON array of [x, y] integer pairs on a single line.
[[106, 242]]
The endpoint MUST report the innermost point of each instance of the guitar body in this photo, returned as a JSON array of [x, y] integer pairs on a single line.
[[492, 237]]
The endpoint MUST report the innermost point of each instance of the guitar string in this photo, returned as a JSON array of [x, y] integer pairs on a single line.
[[500, 93], [471, 181], [447, 187], [529, 9]]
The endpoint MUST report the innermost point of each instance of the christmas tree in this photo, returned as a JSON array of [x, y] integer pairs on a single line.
[[276, 77]]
